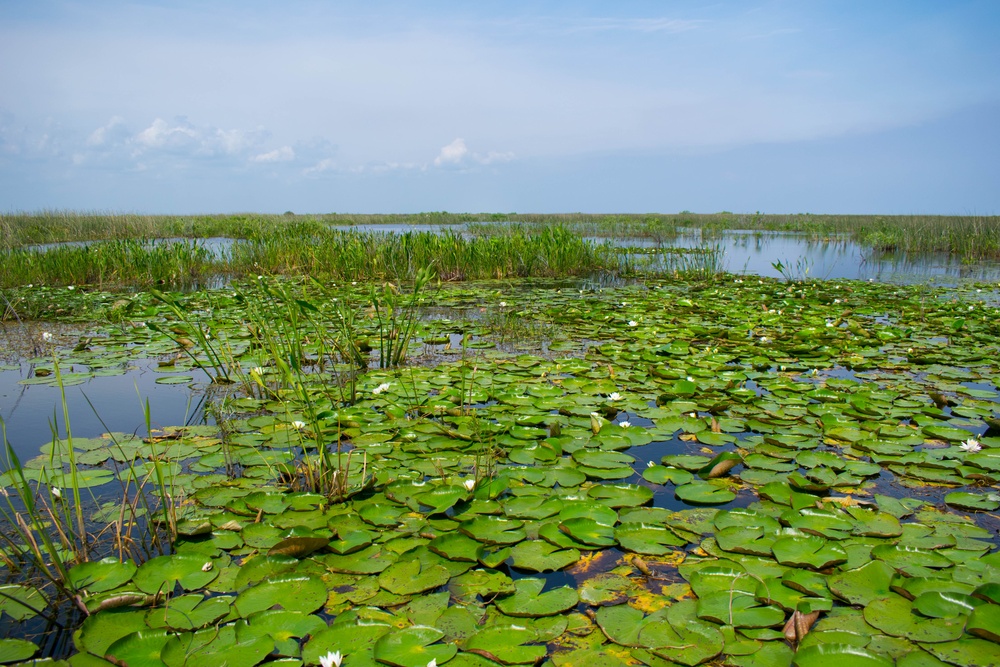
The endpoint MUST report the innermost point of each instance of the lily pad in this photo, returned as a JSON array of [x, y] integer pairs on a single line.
[[704, 493], [529, 601], [304, 593], [160, 574], [540, 556], [506, 644], [894, 616], [413, 647], [842, 655]]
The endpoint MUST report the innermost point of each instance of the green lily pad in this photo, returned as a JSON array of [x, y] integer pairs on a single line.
[[809, 551], [647, 539], [894, 616], [99, 631], [966, 651], [160, 574], [304, 593], [15, 650], [900, 556], [529, 601], [494, 530], [411, 576], [945, 604], [139, 648], [235, 644], [189, 612], [485, 584], [862, 584], [738, 609], [456, 546], [986, 502], [588, 531], [541, 556], [506, 644], [842, 655], [621, 495], [659, 474], [682, 638], [704, 493], [413, 647], [371, 560], [606, 588], [984, 622], [350, 638]]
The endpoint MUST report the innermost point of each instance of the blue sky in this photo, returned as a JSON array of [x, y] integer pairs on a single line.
[[782, 107]]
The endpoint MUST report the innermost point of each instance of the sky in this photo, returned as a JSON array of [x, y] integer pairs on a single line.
[[888, 107]]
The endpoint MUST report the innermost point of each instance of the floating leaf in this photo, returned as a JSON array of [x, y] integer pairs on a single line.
[[808, 551], [842, 655], [893, 615], [15, 650], [704, 493], [506, 644], [291, 592], [161, 574], [413, 647], [411, 576], [529, 601], [540, 556]]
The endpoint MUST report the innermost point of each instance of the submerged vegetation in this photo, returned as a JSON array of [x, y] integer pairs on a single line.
[[555, 466]]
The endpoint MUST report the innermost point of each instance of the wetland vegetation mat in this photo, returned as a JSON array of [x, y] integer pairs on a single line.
[[724, 471]]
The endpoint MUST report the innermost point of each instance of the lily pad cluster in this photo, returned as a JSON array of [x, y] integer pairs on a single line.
[[687, 473]]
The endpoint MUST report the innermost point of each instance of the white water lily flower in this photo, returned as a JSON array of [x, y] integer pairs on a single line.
[[690, 379], [614, 396], [46, 336], [971, 445], [633, 323], [331, 659], [433, 663], [70, 288], [257, 370], [298, 424], [624, 424], [470, 484], [650, 464], [503, 304], [764, 339], [379, 389], [57, 492]]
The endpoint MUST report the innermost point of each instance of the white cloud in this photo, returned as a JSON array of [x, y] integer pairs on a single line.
[[453, 153], [457, 153], [161, 134], [283, 154], [105, 133]]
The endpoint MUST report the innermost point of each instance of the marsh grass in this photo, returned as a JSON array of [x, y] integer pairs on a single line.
[[339, 255], [109, 264]]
